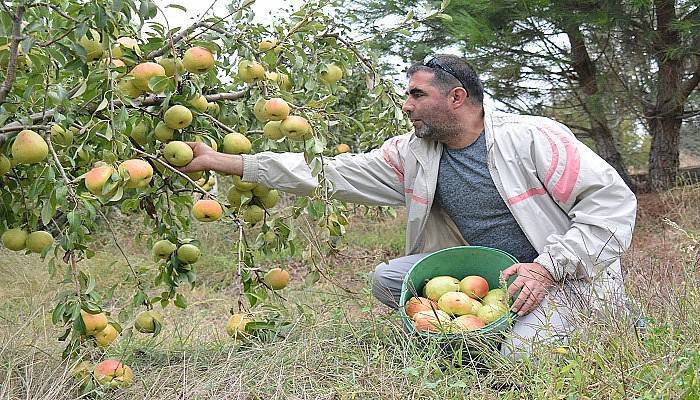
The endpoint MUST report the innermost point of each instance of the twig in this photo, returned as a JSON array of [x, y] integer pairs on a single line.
[[175, 170], [139, 283], [71, 192], [219, 123], [18, 128]]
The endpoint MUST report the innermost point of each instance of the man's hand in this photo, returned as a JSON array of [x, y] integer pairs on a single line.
[[202, 160], [206, 159], [533, 281]]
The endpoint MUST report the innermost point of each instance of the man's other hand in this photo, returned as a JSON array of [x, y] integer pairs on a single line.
[[533, 281]]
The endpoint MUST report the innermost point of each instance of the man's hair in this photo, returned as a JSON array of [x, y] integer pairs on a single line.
[[460, 74]]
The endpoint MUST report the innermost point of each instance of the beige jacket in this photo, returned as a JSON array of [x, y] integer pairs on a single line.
[[572, 206]]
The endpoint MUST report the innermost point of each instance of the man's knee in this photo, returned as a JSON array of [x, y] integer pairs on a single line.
[[384, 286]]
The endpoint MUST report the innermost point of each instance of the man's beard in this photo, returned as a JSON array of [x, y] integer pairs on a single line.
[[440, 132]]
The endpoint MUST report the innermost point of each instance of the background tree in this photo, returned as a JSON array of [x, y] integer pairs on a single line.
[[616, 64]]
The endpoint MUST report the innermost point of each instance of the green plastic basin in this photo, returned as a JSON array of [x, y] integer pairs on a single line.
[[458, 262]]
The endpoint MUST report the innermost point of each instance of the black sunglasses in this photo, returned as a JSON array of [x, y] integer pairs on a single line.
[[434, 63]]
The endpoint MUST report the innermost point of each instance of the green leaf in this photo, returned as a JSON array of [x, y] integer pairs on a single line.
[[180, 301], [444, 17], [312, 278], [74, 221], [103, 104], [81, 89], [179, 7], [47, 212]]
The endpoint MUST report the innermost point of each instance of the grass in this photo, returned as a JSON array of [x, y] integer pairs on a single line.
[[341, 344]]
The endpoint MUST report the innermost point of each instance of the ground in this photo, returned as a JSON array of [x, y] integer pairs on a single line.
[[341, 344]]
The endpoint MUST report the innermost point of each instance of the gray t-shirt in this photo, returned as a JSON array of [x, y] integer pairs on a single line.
[[466, 191]]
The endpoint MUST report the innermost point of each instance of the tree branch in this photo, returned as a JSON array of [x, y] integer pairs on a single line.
[[12, 60], [7, 131], [688, 86]]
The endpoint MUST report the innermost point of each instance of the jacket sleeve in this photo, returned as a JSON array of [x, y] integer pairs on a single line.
[[600, 206], [374, 178]]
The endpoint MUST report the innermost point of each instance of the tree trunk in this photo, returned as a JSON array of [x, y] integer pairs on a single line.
[[664, 118], [663, 155], [600, 131]]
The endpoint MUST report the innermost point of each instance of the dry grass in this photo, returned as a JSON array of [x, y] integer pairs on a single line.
[[342, 345]]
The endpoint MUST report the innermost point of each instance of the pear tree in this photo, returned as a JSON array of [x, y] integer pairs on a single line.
[[96, 100]]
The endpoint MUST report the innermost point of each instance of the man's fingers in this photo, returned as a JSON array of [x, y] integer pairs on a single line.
[[521, 300], [515, 286], [530, 304], [508, 272]]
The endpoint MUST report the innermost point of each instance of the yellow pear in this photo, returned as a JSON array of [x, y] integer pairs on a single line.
[[138, 133], [188, 253], [260, 190], [94, 323], [39, 241], [178, 153], [29, 148], [178, 117], [235, 196], [270, 199], [146, 321], [259, 110], [172, 66], [296, 128], [200, 103], [163, 248], [143, 72], [277, 109], [267, 44], [128, 89], [106, 336], [207, 210], [198, 60], [97, 177], [242, 185], [213, 108], [14, 239], [250, 71], [5, 165], [128, 42], [236, 143], [235, 326], [91, 44], [272, 130], [253, 214], [277, 278], [331, 74], [163, 133], [284, 81], [61, 136], [117, 52], [113, 373], [342, 148], [208, 141], [140, 173]]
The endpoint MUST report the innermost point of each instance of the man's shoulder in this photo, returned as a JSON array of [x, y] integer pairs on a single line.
[[518, 127], [504, 119]]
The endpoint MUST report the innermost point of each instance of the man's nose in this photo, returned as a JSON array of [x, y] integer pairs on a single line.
[[407, 106]]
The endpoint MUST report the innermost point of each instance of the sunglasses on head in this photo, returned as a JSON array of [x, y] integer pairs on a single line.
[[433, 63]]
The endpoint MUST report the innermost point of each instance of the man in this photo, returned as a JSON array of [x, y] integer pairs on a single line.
[[522, 184]]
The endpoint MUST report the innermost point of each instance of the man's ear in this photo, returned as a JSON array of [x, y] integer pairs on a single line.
[[459, 96]]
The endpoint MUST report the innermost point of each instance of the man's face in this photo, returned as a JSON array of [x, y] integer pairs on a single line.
[[428, 108]]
